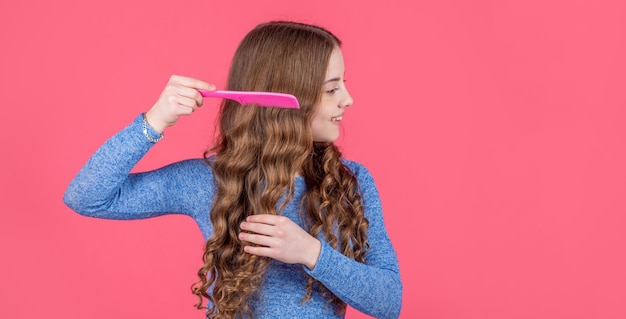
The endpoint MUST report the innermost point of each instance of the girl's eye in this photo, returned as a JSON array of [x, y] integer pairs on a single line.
[[332, 91]]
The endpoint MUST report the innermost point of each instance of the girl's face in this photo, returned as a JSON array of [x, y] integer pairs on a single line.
[[335, 98]]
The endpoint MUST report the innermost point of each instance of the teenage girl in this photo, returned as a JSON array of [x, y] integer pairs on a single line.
[[293, 230]]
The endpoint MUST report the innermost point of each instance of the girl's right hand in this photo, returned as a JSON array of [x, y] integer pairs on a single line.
[[180, 97]]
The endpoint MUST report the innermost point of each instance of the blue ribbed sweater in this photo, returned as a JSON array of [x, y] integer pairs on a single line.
[[105, 188]]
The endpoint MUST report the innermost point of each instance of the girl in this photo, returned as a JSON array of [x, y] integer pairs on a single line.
[[293, 230]]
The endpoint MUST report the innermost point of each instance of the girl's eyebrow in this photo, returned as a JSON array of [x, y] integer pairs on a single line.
[[332, 80]]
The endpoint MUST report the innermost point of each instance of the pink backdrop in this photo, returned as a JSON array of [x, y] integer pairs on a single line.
[[495, 131]]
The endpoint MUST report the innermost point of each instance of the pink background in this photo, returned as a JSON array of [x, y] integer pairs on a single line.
[[494, 129]]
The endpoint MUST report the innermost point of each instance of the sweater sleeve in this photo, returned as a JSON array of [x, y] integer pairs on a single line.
[[374, 287], [105, 188]]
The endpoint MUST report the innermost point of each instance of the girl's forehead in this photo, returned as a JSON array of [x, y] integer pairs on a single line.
[[336, 65]]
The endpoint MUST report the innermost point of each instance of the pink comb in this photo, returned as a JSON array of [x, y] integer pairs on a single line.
[[260, 98]]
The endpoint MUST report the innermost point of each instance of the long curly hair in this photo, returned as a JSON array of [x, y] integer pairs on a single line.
[[258, 152]]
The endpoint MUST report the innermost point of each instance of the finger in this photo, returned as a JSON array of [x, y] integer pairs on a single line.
[[260, 251], [261, 240], [265, 219], [192, 83], [186, 102], [181, 106], [258, 228], [189, 93], [185, 110], [192, 94]]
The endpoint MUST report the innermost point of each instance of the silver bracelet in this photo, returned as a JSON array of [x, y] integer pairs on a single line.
[[144, 128]]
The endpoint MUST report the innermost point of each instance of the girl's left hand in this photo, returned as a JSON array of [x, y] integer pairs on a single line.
[[280, 238]]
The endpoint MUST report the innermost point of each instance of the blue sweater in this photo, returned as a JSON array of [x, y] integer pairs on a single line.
[[105, 188]]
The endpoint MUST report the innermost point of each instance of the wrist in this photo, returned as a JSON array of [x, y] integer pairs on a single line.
[[154, 124], [313, 254], [150, 134]]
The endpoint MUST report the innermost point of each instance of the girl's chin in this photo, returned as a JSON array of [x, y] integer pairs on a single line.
[[325, 140]]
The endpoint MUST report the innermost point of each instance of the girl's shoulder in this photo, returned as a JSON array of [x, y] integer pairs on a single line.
[[353, 165], [359, 170], [366, 184]]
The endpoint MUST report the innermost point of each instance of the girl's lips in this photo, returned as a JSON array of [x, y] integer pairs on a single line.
[[336, 120]]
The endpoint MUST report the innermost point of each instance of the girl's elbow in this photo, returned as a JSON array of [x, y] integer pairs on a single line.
[[395, 301], [76, 203]]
